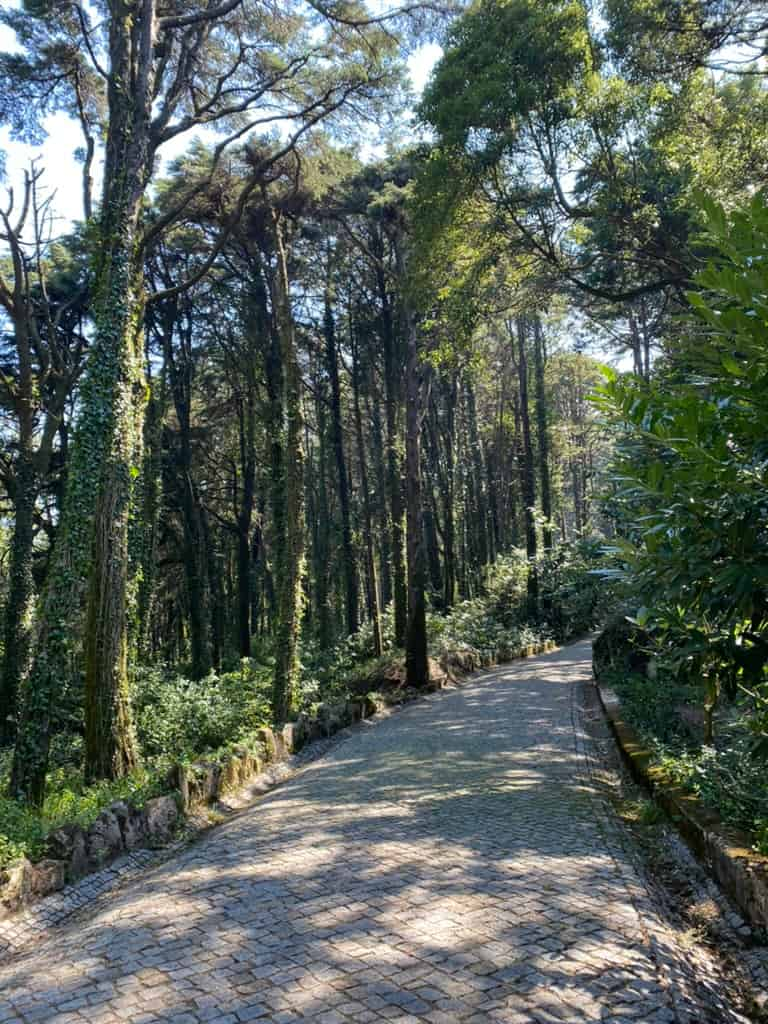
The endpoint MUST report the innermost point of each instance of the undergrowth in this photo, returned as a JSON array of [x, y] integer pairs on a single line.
[[178, 719], [726, 776]]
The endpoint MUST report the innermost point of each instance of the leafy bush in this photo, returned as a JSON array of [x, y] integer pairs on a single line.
[[184, 718], [652, 706], [575, 590], [21, 832], [690, 471], [621, 648], [325, 670], [67, 801], [727, 777], [497, 624], [728, 780]]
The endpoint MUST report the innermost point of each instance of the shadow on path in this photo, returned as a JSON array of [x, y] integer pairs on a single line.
[[448, 864]]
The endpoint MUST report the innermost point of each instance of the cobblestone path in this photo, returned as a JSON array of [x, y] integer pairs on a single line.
[[452, 863]]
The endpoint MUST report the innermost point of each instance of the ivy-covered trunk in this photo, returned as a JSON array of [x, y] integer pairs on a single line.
[[291, 553], [21, 585], [542, 428], [319, 519], [90, 559], [146, 525], [110, 750], [392, 391], [372, 583], [528, 469], [342, 477], [416, 663], [449, 527], [90, 555]]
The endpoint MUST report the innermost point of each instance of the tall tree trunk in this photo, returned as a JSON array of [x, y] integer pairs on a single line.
[[87, 559], [372, 589], [215, 566], [258, 582], [19, 608], [180, 366], [432, 546], [91, 545], [416, 661], [110, 750], [321, 531], [342, 479], [378, 450], [145, 529], [479, 502], [197, 579], [449, 522], [247, 428], [292, 541], [392, 392], [529, 467], [542, 426]]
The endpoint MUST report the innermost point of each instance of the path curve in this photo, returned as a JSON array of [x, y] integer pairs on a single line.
[[452, 864]]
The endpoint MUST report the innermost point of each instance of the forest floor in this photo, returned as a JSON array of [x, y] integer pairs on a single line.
[[469, 859]]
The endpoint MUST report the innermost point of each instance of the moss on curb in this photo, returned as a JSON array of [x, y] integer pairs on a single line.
[[725, 852]]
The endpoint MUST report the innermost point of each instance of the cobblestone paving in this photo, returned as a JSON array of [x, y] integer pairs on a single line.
[[452, 863]]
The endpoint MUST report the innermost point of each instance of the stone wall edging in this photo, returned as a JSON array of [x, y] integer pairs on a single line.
[[725, 853], [74, 851]]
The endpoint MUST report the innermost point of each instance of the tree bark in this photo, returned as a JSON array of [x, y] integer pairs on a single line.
[[416, 660], [91, 547], [19, 609], [529, 468], [291, 560], [196, 570], [320, 525], [146, 529], [479, 508], [247, 430], [449, 519], [542, 425], [372, 589], [392, 393], [342, 478]]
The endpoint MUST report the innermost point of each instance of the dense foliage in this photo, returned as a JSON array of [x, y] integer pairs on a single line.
[[688, 487]]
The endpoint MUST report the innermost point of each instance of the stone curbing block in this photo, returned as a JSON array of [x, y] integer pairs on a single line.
[[73, 851], [726, 853]]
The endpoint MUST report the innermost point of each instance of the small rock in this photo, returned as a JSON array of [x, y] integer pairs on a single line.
[[132, 824], [103, 840], [161, 815], [290, 737], [329, 718], [304, 726], [267, 738], [16, 886], [68, 844], [209, 782], [48, 876], [370, 706], [178, 779], [231, 772], [296, 734]]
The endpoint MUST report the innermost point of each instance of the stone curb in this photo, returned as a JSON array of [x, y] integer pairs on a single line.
[[121, 828], [725, 853]]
